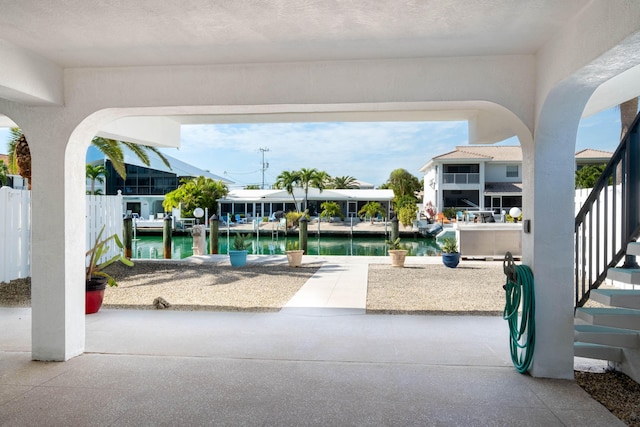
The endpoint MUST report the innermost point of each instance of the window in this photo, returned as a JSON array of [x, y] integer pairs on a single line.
[[512, 171], [472, 168]]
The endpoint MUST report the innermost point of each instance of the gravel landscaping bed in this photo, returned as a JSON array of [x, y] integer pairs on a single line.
[[470, 289], [254, 287]]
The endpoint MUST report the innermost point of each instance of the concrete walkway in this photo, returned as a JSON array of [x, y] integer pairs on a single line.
[[320, 361]]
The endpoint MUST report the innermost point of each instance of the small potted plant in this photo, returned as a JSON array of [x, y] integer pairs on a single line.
[[397, 255], [294, 253], [96, 280], [450, 254], [238, 255]]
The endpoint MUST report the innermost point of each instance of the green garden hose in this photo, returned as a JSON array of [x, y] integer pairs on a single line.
[[520, 296]]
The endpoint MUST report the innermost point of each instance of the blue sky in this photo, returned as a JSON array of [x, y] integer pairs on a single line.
[[366, 151]]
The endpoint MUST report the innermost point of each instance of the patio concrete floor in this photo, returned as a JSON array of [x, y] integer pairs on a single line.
[[327, 364]]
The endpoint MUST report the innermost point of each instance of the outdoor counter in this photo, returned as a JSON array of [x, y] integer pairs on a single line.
[[489, 240]]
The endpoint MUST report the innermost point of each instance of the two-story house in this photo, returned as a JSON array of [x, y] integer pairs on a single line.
[[481, 177]]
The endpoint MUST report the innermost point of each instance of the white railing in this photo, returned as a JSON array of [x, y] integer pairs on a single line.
[[15, 234], [15, 228]]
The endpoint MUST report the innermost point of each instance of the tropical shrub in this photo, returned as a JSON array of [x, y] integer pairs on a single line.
[[407, 214], [194, 193], [450, 245], [331, 209], [371, 209], [293, 218], [393, 245], [241, 242], [449, 212], [4, 170]]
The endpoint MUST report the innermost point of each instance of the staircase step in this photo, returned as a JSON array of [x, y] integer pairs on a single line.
[[624, 298], [633, 248], [605, 335], [596, 351], [624, 275], [624, 318]]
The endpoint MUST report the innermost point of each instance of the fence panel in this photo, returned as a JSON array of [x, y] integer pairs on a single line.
[[15, 234], [104, 211], [15, 229]]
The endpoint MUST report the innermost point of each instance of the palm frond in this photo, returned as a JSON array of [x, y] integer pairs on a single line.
[[139, 151], [159, 154], [112, 151]]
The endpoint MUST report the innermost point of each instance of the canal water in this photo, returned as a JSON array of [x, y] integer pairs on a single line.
[[150, 247]]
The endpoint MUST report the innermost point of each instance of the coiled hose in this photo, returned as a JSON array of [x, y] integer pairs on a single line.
[[522, 329]]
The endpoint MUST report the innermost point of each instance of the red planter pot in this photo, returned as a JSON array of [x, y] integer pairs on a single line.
[[94, 294]]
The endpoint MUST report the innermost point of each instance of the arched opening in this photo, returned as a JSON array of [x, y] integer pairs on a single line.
[[399, 112]]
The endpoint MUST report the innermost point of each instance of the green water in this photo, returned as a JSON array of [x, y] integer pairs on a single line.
[[150, 247]]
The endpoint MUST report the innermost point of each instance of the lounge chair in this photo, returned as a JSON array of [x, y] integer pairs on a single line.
[[240, 220], [442, 219]]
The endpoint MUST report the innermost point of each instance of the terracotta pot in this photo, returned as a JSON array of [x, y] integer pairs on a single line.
[[397, 257], [295, 258]]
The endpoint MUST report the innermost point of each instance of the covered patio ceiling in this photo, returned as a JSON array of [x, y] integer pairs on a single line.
[[56, 36], [121, 33]]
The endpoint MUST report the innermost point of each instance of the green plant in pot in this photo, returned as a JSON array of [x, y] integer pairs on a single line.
[[294, 253], [396, 254], [238, 255], [450, 254], [96, 279]]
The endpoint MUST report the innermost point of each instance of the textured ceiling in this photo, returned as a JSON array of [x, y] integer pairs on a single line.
[[89, 33]]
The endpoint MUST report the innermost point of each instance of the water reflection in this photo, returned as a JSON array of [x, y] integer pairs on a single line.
[[150, 247]]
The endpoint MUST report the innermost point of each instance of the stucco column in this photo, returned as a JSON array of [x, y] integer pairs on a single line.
[[58, 241], [548, 171]]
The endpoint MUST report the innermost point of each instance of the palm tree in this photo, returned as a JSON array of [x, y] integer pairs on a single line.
[[20, 155], [288, 181], [112, 150], [15, 135], [313, 178], [96, 173], [344, 182], [628, 111], [371, 209]]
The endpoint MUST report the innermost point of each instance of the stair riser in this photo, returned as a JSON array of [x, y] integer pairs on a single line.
[[631, 277], [627, 301], [615, 340], [633, 249], [600, 353], [617, 321]]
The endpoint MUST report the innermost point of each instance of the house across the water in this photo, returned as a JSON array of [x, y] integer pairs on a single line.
[[484, 178]]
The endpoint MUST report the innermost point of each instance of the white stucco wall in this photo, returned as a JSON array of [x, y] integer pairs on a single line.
[[497, 172]]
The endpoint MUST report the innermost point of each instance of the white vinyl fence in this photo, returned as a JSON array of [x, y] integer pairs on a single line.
[[104, 211], [15, 229], [15, 234]]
